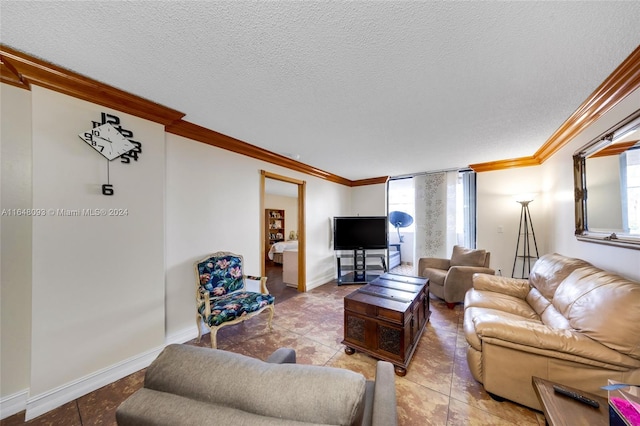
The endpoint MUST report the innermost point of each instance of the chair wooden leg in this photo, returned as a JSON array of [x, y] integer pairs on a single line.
[[450, 305], [214, 338], [198, 325]]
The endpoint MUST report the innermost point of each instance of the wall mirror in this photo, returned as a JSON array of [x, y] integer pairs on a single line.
[[607, 186]]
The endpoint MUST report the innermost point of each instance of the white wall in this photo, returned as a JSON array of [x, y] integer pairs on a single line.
[[558, 182], [553, 210], [213, 203], [15, 246], [324, 201], [499, 214], [369, 200], [110, 292], [97, 280]]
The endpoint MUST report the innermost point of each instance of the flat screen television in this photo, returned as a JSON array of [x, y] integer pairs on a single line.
[[360, 232]]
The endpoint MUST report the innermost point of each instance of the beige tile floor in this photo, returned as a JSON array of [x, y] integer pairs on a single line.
[[437, 390]]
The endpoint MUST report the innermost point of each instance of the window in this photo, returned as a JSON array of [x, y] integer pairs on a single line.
[[630, 182]]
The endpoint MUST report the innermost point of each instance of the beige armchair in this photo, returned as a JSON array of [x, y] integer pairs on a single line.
[[449, 279]]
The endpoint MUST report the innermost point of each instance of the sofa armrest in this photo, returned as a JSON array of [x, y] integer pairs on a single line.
[[511, 286], [384, 396], [282, 356], [537, 338], [432, 262]]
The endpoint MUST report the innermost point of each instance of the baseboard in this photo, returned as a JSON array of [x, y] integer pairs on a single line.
[[40, 404], [185, 335], [321, 281], [47, 401], [13, 404]]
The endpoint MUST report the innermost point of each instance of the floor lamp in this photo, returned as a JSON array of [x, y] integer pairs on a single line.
[[525, 233]]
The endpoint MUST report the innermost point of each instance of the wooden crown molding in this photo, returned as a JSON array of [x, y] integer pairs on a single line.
[[21, 70], [505, 164], [615, 149], [624, 80], [213, 138], [370, 181], [9, 75], [31, 70]]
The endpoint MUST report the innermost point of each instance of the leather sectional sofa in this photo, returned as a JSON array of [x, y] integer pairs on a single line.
[[189, 385], [570, 323]]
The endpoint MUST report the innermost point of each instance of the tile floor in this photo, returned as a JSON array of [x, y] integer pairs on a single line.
[[437, 390]]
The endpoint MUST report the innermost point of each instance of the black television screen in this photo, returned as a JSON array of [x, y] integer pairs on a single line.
[[360, 232]]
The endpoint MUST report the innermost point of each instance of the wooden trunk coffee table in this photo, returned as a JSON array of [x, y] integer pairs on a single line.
[[386, 318]]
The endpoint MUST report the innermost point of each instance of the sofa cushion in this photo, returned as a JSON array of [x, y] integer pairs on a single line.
[[550, 270], [499, 302], [467, 257], [603, 306], [548, 313], [148, 407], [304, 393]]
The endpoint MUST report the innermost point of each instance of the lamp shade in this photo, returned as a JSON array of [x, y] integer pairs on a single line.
[[400, 219]]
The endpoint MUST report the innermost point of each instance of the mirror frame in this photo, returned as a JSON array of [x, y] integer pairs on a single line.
[[582, 231]]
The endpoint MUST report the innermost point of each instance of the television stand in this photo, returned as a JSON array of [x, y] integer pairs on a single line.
[[360, 267]]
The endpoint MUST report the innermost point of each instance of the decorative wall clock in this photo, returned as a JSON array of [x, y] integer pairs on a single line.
[[111, 140]]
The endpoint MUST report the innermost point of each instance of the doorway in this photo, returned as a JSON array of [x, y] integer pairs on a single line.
[[272, 186]]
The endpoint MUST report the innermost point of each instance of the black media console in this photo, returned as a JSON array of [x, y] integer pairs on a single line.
[[360, 267]]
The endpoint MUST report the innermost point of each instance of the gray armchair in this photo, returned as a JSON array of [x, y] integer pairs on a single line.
[[190, 385], [449, 279]]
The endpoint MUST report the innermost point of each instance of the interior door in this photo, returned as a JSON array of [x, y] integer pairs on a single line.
[[271, 181]]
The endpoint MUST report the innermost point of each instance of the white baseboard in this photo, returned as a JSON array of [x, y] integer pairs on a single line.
[[47, 401], [13, 404], [40, 404], [185, 335], [317, 282]]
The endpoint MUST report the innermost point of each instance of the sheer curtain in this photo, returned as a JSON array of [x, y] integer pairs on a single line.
[[444, 215]]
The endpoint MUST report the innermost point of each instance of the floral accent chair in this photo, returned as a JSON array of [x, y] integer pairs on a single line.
[[221, 295]]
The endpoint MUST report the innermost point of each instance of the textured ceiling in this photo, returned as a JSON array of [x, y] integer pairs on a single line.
[[358, 89]]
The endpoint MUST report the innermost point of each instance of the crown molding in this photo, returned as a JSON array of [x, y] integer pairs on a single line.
[[614, 149], [29, 70], [370, 181], [623, 81], [505, 164], [9, 75], [21, 70], [213, 138]]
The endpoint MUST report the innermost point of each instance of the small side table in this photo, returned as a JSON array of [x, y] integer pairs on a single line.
[[560, 410], [397, 246]]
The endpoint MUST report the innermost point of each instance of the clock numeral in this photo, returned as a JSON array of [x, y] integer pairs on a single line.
[[133, 154], [107, 189], [101, 147], [138, 147], [124, 132], [109, 118]]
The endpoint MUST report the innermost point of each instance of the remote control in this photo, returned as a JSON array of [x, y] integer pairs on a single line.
[[576, 396]]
